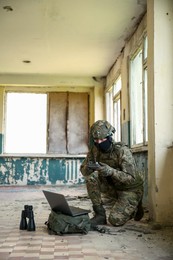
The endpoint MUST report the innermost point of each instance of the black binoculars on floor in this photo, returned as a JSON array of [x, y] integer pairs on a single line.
[[27, 213]]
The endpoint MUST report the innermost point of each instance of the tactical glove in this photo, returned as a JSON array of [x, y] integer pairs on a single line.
[[105, 170]]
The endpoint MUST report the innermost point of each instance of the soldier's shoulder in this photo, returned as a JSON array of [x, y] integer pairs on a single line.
[[120, 145]]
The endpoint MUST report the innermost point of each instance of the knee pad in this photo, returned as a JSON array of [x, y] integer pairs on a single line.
[[117, 220]]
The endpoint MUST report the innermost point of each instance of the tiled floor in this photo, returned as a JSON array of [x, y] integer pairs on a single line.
[[134, 241]]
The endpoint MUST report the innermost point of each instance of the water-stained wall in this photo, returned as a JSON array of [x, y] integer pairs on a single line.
[[40, 171], [141, 159]]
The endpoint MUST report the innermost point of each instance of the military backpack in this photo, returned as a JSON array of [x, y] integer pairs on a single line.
[[60, 224]]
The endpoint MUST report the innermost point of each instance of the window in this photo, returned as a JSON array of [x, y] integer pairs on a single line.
[[26, 124], [145, 107], [34, 125], [113, 107], [109, 106], [138, 96], [117, 117]]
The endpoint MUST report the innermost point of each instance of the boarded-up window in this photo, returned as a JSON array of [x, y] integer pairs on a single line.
[[68, 123]]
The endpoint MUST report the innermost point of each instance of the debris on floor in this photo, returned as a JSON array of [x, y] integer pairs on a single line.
[[133, 241]]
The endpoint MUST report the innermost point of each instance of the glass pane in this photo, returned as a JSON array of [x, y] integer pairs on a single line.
[[117, 120], [117, 86], [136, 99], [146, 105], [26, 125], [109, 107]]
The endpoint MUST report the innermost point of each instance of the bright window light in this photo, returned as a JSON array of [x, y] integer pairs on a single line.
[[26, 123], [136, 92]]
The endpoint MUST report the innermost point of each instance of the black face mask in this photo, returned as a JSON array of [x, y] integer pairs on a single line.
[[104, 146]]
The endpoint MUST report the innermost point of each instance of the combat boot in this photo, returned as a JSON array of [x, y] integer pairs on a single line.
[[140, 212], [100, 216]]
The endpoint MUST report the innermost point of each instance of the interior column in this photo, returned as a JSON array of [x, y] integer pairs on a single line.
[[160, 114]]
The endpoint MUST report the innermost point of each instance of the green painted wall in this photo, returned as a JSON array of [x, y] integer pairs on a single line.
[[53, 171], [39, 171]]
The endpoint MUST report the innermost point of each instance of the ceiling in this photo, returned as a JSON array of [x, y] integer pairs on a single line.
[[65, 37]]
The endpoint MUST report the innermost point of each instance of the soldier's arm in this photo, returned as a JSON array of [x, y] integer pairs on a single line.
[[85, 170], [127, 166], [90, 163]]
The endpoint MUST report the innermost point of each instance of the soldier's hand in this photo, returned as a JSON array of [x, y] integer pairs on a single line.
[[105, 170], [89, 170]]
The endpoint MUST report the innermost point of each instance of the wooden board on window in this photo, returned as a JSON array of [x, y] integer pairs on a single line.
[[57, 123], [77, 127]]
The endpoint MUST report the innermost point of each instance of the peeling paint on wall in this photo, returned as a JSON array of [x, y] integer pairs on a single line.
[[36, 171], [142, 165], [53, 171], [126, 132]]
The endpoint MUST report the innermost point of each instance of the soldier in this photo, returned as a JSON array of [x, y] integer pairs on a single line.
[[110, 169]]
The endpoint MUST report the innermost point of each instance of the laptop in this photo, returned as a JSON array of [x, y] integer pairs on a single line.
[[59, 203]]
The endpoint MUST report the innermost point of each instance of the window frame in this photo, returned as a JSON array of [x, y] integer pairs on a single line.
[[142, 46], [118, 128], [112, 95]]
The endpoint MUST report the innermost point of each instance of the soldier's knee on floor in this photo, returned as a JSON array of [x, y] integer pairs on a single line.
[[117, 220]]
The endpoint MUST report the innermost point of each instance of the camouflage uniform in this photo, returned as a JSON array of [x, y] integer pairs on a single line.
[[117, 178]]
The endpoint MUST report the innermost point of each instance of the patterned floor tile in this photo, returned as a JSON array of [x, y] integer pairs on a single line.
[[25, 245]]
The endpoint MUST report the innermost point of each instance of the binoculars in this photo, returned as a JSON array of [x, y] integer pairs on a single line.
[[27, 213]]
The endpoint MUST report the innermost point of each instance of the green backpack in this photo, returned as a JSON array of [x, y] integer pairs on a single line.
[[60, 224]]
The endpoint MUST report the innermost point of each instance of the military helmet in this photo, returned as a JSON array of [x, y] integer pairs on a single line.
[[101, 129]]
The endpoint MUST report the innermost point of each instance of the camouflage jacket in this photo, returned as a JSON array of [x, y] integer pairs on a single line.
[[125, 175]]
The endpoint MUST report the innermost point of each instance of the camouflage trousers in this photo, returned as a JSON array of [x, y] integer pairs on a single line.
[[124, 203]]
